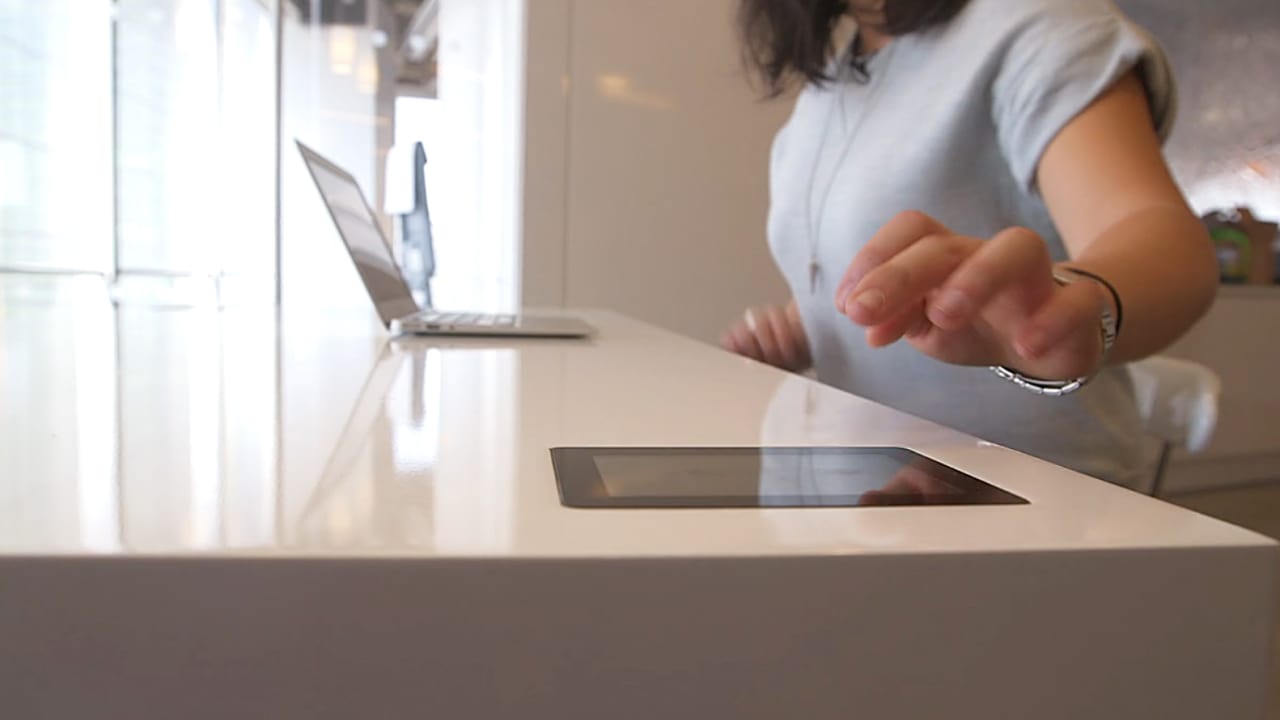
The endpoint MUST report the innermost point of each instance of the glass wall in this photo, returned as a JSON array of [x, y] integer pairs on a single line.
[[137, 141], [56, 135], [195, 112]]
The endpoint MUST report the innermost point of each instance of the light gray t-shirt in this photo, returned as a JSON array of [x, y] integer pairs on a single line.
[[953, 122]]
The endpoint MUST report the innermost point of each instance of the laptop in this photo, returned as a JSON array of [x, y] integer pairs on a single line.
[[386, 285]]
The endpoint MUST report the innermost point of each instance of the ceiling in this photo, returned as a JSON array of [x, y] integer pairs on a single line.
[[409, 24]]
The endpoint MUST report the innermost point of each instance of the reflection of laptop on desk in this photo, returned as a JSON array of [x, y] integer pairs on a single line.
[[382, 278], [367, 423]]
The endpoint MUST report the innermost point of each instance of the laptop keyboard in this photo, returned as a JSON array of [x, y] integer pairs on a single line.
[[468, 319]]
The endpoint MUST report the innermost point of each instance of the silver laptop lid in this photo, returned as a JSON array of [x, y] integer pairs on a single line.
[[362, 236]]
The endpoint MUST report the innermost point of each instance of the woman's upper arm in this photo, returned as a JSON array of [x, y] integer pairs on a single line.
[[1105, 166]]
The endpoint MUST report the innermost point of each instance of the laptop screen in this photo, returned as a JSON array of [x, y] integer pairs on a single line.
[[363, 238]]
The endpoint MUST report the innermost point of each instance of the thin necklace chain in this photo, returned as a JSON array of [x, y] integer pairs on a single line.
[[813, 226]]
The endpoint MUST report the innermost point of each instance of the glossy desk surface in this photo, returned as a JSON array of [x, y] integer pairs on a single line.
[[137, 430]]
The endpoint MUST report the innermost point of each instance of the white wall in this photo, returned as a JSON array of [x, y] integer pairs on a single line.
[[1237, 339], [646, 163]]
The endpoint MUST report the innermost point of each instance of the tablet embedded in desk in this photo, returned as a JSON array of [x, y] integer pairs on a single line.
[[785, 477]]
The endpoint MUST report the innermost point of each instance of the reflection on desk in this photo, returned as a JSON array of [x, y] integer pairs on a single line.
[[135, 429]]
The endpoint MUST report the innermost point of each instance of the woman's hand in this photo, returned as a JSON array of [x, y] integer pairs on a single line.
[[968, 301], [771, 335]]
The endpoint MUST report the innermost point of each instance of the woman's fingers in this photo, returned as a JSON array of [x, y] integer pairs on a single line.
[[1011, 258], [742, 341], [758, 321], [903, 325], [801, 339], [972, 301], [905, 280], [1063, 339], [897, 235], [788, 348], [768, 335]]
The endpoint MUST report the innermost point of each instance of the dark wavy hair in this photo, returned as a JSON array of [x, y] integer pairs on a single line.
[[784, 41]]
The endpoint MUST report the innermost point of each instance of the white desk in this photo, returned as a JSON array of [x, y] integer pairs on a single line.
[[203, 518]]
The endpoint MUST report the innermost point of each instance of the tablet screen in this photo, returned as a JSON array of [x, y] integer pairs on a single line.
[[763, 477]]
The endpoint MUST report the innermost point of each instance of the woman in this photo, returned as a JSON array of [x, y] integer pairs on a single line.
[[971, 208]]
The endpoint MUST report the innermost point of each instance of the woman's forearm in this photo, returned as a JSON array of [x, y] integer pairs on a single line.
[[1163, 266]]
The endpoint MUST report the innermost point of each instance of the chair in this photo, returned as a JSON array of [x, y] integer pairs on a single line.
[[1178, 403], [406, 198]]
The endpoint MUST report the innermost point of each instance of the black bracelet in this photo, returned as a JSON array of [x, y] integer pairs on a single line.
[[1115, 296]]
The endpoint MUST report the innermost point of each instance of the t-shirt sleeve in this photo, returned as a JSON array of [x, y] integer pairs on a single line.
[[1057, 62]]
